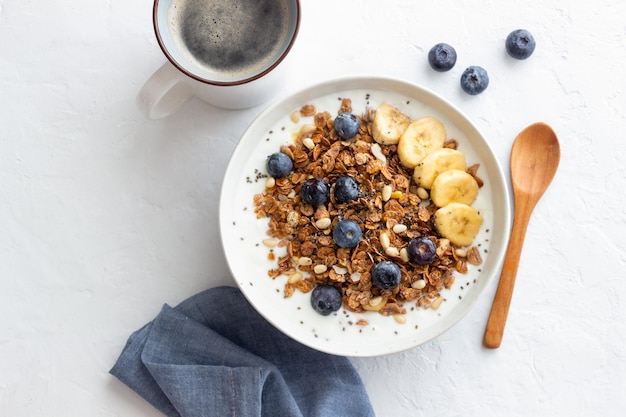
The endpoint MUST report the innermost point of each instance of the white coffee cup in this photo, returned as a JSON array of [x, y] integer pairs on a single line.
[[229, 53]]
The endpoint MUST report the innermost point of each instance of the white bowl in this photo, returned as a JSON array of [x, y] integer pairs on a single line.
[[242, 233]]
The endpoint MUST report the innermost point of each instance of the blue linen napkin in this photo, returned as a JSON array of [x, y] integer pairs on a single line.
[[214, 355]]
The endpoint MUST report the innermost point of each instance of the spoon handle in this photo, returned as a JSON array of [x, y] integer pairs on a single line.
[[504, 292]]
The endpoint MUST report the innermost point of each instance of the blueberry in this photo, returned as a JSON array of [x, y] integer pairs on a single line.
[[346, 189], [347, 234], [346, 125], [422, 250], [386, 275], [442, 57], [315, 191], [474, 80], [325, 299], [279, 165], [520, 44]]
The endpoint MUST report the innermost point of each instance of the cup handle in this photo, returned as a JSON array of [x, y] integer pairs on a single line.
[[164, 92]]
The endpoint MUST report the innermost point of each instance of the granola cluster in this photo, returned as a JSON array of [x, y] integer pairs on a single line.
[[391, 210]]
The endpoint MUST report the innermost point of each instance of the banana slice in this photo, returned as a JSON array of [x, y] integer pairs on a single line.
[[458, 223], [453, 186], [389, 124], [420, 138], [437, 162]]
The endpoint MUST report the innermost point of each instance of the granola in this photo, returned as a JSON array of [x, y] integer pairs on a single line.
[[390, 210]]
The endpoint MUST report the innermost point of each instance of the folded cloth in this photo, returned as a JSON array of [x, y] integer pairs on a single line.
[[214, 355]]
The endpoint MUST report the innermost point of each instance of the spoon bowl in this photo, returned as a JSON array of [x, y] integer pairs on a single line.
[[535, 157]]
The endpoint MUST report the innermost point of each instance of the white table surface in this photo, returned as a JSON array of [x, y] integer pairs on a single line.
[[105, 215]]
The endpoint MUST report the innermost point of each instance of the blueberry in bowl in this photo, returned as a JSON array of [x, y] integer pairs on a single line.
[[346, 125], [346, 189], [279, 165], [315, 191], [386, 275], [422, 250], [325, 299], [347, 234]]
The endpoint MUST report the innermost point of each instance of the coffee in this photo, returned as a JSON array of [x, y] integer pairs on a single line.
[[230, 39]]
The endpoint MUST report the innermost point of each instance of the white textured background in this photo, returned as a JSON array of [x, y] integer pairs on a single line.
[[105, 215]]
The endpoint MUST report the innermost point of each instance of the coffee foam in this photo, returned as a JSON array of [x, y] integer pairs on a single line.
[[229, 40]]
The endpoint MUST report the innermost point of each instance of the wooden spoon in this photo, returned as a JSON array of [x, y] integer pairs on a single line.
[[534, 159]]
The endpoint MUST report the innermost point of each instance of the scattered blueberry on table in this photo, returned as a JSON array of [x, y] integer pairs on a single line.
[[442, 57], [474, 80], [520, 44]]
